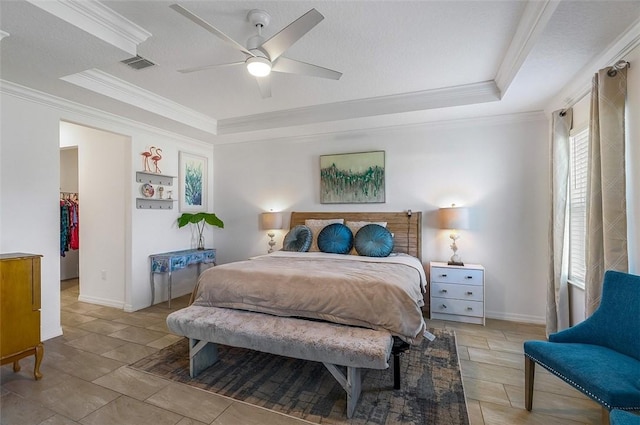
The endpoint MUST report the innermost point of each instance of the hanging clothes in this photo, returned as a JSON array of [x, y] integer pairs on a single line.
[[69, 223]]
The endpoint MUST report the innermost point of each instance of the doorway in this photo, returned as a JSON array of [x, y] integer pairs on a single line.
[[102, 170]]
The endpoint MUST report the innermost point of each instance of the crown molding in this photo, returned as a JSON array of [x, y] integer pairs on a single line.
[[581, 83], [79, 110], [468, 94], [97, 19], [301, 135], [535, 18], [116, 88]]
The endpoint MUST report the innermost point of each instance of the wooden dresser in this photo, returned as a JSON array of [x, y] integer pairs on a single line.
[[20, 309]]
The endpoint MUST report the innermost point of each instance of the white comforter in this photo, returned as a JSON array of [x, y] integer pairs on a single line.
[[378, 293]]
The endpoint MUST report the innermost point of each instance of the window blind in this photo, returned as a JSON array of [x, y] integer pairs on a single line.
[[579, 155]]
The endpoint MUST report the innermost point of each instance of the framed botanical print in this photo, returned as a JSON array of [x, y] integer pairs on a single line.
[[192, 178]]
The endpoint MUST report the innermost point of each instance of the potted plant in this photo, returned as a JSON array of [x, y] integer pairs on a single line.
[[199, 220]]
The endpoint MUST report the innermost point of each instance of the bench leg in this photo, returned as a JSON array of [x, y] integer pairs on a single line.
[[529, 375], [399, 347], [202, 354], [352, 384]]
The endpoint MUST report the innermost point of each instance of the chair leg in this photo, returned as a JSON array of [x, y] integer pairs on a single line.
[[529, 375]]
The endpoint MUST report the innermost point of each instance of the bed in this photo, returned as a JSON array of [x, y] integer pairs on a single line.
[[346, 311]]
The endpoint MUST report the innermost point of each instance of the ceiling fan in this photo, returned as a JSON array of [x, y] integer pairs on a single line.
[[264, 56]]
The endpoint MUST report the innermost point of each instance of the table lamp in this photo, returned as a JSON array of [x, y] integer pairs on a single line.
[[454, 218], [271, 221]]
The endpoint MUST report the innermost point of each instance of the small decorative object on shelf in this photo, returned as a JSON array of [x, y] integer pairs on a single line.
[[160, 192], [169, 194], [147, 190], [155, 155], [155, 158], [199, 220]]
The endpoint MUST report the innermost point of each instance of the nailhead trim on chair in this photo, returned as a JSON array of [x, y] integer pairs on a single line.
[[584, 390]]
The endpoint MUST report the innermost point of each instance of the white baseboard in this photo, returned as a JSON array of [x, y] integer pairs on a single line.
[[522, 318], [101, 301]]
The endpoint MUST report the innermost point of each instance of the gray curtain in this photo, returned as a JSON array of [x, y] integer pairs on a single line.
[[557, 286], [606, 200]]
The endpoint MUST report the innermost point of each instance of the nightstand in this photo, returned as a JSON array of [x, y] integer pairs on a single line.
[[457, 292]]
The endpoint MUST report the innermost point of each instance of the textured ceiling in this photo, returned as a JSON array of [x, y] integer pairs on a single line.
[[402, 61]]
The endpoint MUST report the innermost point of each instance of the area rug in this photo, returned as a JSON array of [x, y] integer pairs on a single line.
[[431, 392]]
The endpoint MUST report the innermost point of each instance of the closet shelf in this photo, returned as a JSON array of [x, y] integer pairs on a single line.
[[153, 178]]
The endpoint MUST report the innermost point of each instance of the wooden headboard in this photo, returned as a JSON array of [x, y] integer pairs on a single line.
[[407, 231]]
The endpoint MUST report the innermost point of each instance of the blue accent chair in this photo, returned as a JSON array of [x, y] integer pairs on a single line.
[[599, 356], [620, 417]]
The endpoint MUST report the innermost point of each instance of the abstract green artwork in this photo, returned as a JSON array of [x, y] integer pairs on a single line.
[[352, 178], [193, 182]]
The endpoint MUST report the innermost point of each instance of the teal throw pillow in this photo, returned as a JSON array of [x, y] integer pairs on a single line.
[[374, 240], [335, 239]]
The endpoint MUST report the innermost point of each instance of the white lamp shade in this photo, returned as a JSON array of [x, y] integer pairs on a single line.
[[453, 218], [271, 220]]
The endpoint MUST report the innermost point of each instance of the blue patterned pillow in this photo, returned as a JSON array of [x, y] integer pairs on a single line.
[[374, 240], [298, 239], [335, 239]]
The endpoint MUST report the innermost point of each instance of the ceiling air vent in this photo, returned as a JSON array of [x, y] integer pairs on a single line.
[[138, 62]]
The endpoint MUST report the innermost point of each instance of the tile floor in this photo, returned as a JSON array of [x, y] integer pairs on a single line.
[[86, 380]]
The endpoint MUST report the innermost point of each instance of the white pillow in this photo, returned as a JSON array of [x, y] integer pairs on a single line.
[[316, 227], [354, 226]]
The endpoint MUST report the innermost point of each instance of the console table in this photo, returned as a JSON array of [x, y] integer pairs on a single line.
[[168, 262]]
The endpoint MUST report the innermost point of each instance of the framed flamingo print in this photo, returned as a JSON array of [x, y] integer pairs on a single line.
[[192, 178]]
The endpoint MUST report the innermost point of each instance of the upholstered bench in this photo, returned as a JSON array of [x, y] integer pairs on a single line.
[[332, 344]]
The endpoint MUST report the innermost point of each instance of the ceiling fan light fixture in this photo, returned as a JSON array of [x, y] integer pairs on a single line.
[[258, 66]]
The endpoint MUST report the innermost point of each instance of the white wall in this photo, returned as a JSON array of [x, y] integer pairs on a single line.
[[29, 196], [498, 167]]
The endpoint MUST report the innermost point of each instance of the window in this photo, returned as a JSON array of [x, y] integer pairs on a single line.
[[578, 158]]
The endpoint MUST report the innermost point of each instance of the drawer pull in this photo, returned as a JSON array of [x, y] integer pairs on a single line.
[[443, 275], [444, 291], [444, 306], [469, 308], [469, 293], [468, 277]]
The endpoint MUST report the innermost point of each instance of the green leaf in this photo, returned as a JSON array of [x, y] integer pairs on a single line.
[[184, 219], [209, 218]]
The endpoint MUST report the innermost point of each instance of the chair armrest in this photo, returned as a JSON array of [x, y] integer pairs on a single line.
[[585, 332]]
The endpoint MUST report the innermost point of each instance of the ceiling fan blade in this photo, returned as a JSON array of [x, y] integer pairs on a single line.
[[264, 83], [291, 66], [205, 67], [276, 45], [204, 24]]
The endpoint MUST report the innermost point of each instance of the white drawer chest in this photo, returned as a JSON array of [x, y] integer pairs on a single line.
[[457, 292]]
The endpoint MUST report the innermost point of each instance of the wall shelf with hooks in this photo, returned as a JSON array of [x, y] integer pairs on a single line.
[[153, 178], [154, 199], [154, 204]]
